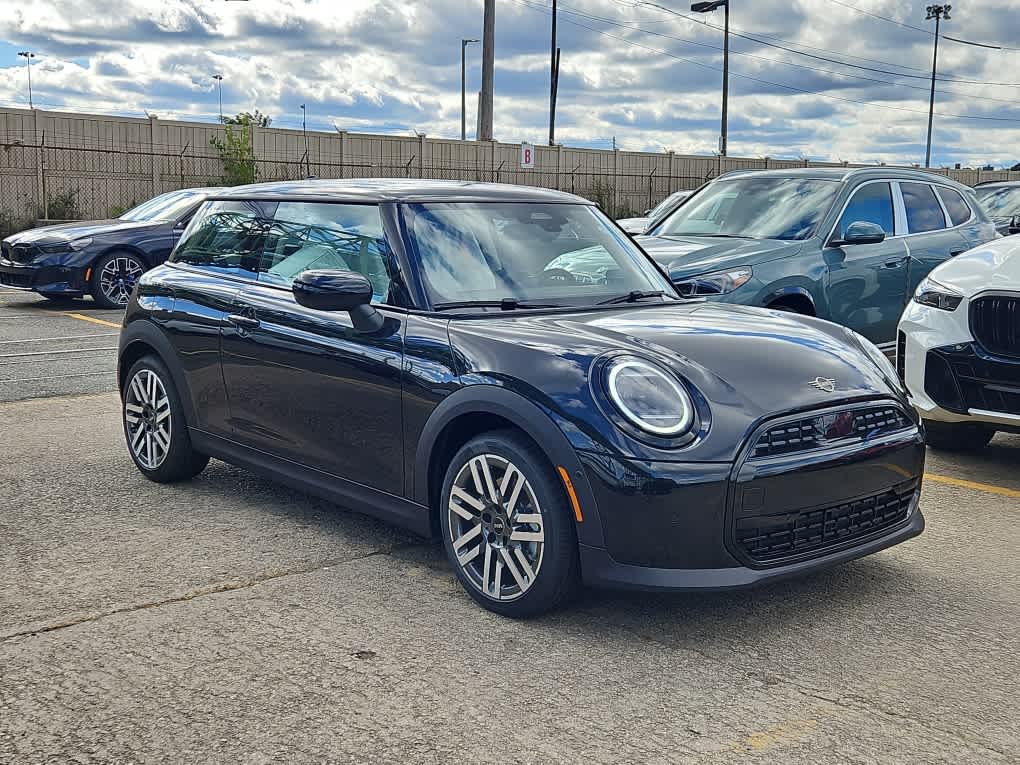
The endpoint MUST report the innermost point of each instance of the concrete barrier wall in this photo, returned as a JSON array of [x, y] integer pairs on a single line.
[[67, 165]]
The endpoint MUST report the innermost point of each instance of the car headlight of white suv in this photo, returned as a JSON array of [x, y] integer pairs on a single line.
[[932, 293]]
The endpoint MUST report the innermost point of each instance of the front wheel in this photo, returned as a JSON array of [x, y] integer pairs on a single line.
[[114, 277], [958, 436], [154, 425], [507, 528]]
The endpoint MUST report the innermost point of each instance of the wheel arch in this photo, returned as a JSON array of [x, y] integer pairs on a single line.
[[129, 249], [792, 294], [476, 409], [142, 338]]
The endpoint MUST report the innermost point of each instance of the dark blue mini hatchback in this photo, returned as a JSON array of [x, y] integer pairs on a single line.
[[504, 369]]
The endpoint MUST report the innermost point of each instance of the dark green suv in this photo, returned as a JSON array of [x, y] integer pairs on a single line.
[[848, 245]]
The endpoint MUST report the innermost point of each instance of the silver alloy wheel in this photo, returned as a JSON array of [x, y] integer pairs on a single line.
[[147, 415], [495, 524], [118, 278]]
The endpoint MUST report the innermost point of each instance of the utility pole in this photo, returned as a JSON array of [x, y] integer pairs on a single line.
[[28, 56], [219, 84], [708, 7], [304, 132], [463, 87], [488, 62], [554, 78], [937, 12]]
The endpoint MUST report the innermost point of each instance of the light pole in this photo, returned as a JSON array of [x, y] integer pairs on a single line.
[[463, 86], [304, 132], [219, 83], [554, 77], [937, 12], [28, 56], [488, 65], [708, 7]]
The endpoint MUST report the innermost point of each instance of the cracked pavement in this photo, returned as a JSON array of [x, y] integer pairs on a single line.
[[230, 619]]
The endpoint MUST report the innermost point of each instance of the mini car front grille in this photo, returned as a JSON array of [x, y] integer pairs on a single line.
[[995, 324], [822, 430], [772, 540]]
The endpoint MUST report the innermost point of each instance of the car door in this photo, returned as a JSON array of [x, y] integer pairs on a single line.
[[928, 239], [866, 284], [303, 384]]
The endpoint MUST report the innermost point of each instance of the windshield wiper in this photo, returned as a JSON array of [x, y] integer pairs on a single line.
[[632, 297], [506, 304], [719, 236]]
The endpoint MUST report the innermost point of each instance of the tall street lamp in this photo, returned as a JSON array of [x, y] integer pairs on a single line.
[[304, 132], [937, 12], [708, 7], [463, 86], [28, 56], [219, 82]]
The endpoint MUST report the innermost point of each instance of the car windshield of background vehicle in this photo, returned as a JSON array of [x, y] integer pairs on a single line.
[[164, 208], [758, 208], [667, 204], [999, 201], [555, 254]]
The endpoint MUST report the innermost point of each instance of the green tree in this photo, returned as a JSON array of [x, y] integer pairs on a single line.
[[236, 152], [256, 118]]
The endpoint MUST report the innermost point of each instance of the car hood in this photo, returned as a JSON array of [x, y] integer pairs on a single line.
[[633, 225], [748, 363], [686, 256], [991, 266], [78, 230]]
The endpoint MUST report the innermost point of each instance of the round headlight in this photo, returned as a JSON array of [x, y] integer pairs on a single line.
[[649, 398]]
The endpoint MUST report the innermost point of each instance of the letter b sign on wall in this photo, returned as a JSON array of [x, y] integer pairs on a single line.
[[527, 156]]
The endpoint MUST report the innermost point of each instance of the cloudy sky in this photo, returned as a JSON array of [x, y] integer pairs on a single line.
[[824, 79]]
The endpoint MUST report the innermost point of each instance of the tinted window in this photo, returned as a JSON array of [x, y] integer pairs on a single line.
[[227, 237], [563, 254], [871, 204], [959, 210], [307, 235], [760, 208], [923, 210]]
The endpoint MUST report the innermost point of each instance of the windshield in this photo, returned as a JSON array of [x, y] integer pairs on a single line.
[[759, 208], [165, 207], [667, 204], [999, 201], [555, 254]]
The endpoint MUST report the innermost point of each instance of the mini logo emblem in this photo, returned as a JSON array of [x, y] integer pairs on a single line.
[[825, 384]]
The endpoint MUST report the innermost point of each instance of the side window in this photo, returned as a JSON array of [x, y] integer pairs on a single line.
[[346, 237], [924, 213], [871, 203], [959, 210], [227, 237]]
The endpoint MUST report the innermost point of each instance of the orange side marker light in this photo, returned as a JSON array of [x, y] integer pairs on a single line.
[[572, 494]]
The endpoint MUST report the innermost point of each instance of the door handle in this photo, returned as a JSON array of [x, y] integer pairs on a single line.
[[240, 320], [895, 263], [954, 253]]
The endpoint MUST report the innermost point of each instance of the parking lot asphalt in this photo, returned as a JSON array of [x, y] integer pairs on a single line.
[[229, 619]]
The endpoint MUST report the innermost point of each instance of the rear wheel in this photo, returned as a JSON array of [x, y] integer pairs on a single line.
[[958, 436], [506, 526], [154, 425], [113, 278]]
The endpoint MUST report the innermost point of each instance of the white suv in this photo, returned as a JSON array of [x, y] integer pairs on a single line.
[[958, 347]]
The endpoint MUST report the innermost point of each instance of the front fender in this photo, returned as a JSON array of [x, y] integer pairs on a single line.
[[538, 424], [145, 332]]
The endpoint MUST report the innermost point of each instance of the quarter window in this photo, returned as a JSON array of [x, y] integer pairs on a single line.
[[227, 237], [924, 213], [959, 210], [870, 204]]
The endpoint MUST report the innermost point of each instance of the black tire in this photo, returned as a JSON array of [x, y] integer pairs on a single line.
[[786, 308], [958, 436], [180, 461], [558, 576], [115, 294]]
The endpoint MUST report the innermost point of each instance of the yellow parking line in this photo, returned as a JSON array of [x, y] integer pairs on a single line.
[[94, 320], [1002, 491]]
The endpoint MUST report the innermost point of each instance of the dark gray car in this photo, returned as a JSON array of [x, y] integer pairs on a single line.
[[1001, 202]]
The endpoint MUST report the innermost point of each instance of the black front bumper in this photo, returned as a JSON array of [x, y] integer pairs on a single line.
[[51, 280], [688, 526]]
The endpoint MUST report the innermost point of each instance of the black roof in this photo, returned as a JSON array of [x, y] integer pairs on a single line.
[[398, 190]]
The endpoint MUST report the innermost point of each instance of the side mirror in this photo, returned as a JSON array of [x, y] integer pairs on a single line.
[[860, 232], [329, 290], [646, 213]]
